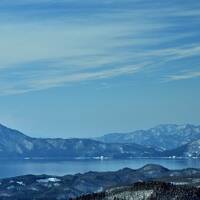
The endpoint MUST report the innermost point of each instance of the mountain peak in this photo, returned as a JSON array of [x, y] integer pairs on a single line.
[[153, 167]]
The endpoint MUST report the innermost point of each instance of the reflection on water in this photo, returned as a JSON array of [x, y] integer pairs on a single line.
[[63, 167]]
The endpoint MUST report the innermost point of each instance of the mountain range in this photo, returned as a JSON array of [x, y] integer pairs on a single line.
[[162, 141], [17, 145], [162, 137], [35, 187]]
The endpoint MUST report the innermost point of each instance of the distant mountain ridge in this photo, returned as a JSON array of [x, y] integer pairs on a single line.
[[17, 145], [164, 137], [179, 141]]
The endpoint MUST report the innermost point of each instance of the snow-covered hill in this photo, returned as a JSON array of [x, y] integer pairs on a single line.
[[163, 137]]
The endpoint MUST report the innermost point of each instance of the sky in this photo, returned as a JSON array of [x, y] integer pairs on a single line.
[[73, 68]]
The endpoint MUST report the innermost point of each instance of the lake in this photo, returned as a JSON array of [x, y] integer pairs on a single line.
[[62, 167]]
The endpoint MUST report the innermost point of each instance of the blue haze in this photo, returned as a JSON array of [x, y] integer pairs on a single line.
[[85, 68]]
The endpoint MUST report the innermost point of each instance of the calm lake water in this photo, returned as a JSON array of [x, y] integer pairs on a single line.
[[63, 167]]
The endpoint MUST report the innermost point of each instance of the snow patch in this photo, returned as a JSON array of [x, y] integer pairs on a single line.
[[20, 183], [46, 180]]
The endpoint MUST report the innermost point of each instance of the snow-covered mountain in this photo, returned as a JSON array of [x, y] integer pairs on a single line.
[[189, 150], [115, 185], [15, 144], [165, 137], [181, 141]]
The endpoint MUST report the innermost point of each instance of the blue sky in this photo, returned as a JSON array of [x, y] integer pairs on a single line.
[[72, 68]]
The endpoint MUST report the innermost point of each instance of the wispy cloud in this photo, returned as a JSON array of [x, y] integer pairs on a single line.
[[183, 76], [49, 43], [42, 79]]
